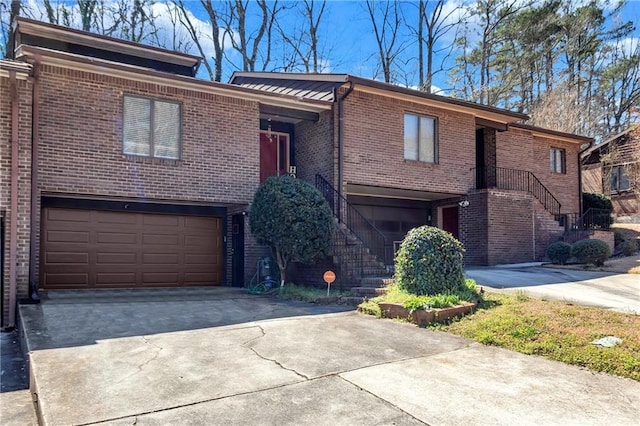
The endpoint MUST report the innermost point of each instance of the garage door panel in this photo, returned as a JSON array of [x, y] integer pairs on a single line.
[[116, 218], [116, 258], [67, 279], [84, 248], [160, 259], [67, 258], [116, 238], [67, 236], [115, 279]]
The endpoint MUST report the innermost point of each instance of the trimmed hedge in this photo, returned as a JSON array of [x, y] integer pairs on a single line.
[[591, 251], [559, 252], [429, 262]]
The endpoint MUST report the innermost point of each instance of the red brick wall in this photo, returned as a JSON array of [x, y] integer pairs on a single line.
[[374, 146], [518, 149], [315, 151], [474, 226], [81, 145], [24, 185]]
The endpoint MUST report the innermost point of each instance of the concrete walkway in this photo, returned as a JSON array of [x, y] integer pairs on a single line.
[[619, 292], [226, 358]]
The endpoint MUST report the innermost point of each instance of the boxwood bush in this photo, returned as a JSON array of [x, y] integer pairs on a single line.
[[591, 251], [429, 262], [559, 252]]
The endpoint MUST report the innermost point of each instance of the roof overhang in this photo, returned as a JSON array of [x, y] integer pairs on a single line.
[[553, 134], [21, 69], [399, 193], [71, 61], [498, 117], [83, 38]]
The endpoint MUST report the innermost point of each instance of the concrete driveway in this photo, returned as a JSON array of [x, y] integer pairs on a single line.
[[619, 292], [221, 357]]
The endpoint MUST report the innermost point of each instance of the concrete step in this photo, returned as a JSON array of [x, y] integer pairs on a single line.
[[352, 300], [376, 282], [368, 291]]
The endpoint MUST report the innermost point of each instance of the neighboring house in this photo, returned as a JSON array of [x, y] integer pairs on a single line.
[[613, 168], [120, 169]]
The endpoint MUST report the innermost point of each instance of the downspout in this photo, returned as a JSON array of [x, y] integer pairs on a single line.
[[35, 149], [341, 135], [580, 152], [13, 223]]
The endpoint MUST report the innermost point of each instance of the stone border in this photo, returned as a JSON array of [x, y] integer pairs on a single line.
[[423, 317]]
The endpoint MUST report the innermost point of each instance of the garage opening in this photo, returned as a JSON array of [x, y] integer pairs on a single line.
[[90, 248]]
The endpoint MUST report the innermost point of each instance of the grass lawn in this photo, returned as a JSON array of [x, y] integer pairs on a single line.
[[555, 330]]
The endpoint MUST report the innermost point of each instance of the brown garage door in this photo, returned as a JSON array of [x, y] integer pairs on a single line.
[[105, 249]]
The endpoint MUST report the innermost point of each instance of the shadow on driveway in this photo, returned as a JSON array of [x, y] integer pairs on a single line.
[[78, 318]]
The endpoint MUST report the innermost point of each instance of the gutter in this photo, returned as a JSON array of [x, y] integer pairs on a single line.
[[13, 223], [341, 135], [35, 150], [580, 152]]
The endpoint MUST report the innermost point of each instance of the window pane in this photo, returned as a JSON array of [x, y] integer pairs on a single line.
[[614, 179], [552, 159], [427, 139], [137, 114], [166, 133], [624, 180], [410, 137]]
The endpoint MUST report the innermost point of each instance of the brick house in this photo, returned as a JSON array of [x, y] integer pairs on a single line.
[[397, 158], [121, 169], [613, 168]]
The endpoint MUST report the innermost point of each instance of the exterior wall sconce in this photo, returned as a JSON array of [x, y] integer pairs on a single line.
[[463, 203]]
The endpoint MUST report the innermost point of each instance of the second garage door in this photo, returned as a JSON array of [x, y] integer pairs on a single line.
[[107, 249]]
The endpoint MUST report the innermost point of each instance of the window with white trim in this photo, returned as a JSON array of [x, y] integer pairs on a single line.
[[151, 127], [420, 138], [558, 159]]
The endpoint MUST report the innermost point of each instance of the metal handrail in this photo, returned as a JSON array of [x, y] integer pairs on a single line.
[[360, 226], [517, 180]]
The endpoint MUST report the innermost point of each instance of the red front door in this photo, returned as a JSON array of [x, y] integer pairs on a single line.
[[274, 154], [450, 220]]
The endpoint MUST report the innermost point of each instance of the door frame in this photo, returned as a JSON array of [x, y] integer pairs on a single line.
[[440, 210], [287, 155], [237, 249]]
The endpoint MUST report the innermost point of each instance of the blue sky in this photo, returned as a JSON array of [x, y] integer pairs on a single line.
[[346, 35]]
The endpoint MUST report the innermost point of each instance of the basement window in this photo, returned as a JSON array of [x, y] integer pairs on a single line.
[[420, 138], [558, 158], [152, 127]]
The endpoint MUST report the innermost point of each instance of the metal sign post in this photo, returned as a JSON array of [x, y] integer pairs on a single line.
[[329, 277]]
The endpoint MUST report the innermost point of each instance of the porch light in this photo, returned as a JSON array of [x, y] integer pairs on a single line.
[[463, 203]]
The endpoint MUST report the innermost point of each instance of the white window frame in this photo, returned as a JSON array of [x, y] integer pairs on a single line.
[[152, 133], [414, 154], [558, 160]]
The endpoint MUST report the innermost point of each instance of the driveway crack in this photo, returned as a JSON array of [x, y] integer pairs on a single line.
[[249, 342], [155, 355]]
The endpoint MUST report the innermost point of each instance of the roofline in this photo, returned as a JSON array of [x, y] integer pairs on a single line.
[[333, 78], [132, 72], [515, 116], [494, 113], [548, 133], [607, 142], [98, 41], [8, 65]]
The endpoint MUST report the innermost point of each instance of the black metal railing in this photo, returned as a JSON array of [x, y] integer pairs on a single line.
[[361, 227], [579, 226], [516, 180]]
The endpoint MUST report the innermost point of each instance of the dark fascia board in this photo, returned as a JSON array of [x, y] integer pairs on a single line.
[[289, 112], [31, 53], [84, 38], [436, 98], [509, 116], [553, 133]]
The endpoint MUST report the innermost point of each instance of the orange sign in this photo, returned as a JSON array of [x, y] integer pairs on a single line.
[[329, 277]]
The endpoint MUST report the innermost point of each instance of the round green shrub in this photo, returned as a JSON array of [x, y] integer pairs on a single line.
[[591, 200], [629, 247], [559, 252], [591, 251], [429, 262]]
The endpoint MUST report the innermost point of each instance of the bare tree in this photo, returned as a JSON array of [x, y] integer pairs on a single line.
[[213, 64], [9, 11], [434, 23], [304, 41], [385, 19], [252, 41]]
